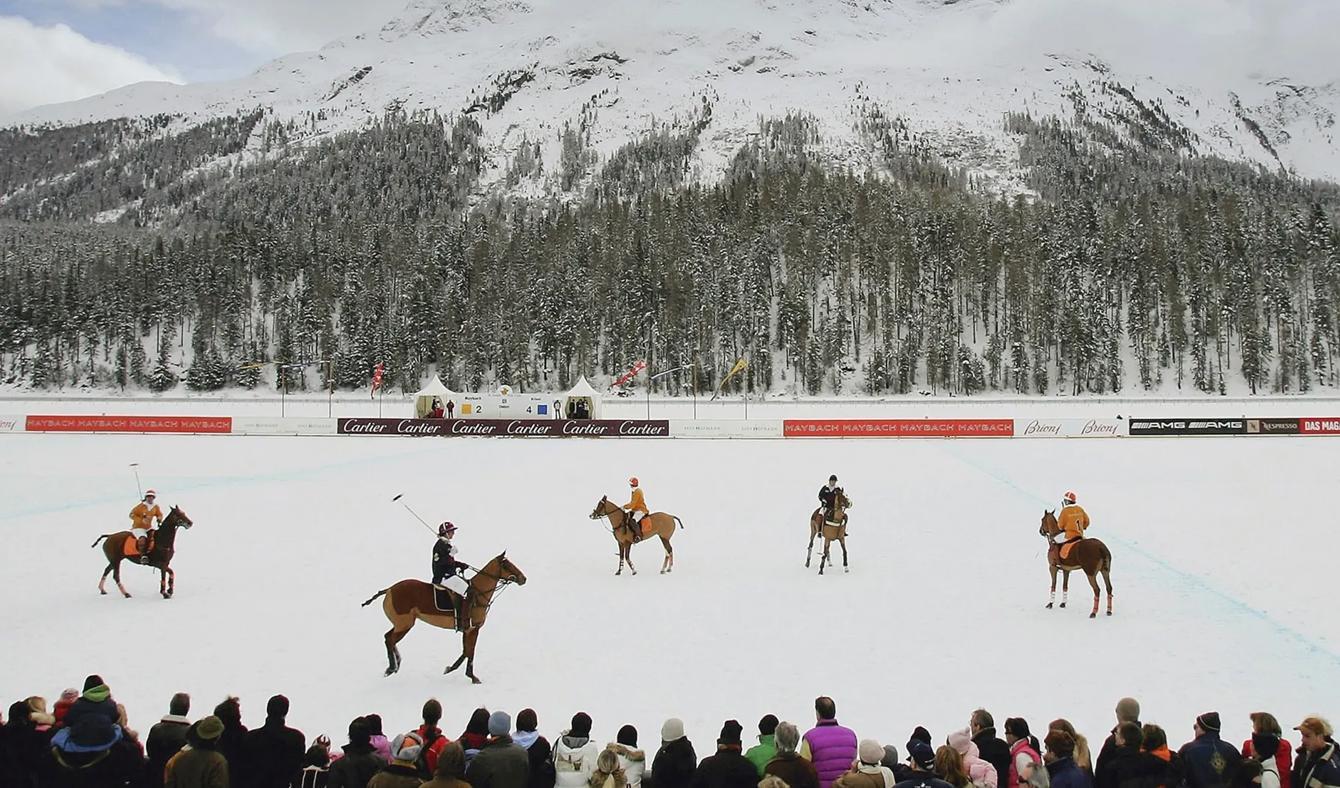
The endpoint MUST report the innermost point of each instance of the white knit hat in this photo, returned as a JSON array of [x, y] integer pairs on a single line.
[[672, 730]]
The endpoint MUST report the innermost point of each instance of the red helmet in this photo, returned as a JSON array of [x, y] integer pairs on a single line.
[[446, 528], [1069, 496], [632, 481]]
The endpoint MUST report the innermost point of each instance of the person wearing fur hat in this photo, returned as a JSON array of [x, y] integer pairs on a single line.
[[868, 771], [787, 764], [95, 752], [1265, 724], [632, 761], [575, 754], [538, 750], [167, 737], [1208, 761], [675, 761], [608, 773], [96, 700], [273, 752], [501, 762], [766, 749], [401, 772], [1318, 764], [199, 764], [361, 760], [981, 773], [921, 757], [728, 768], [1062, 770]]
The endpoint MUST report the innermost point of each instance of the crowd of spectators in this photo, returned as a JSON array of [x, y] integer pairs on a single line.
[[85, 742]]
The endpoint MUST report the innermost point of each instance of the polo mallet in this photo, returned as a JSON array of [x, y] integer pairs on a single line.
[[415, 514], [135, 466]]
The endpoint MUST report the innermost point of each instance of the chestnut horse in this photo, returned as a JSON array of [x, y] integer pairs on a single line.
[[160, 556], [624, 529], [1089, 555], [412, 600], [832, 527]]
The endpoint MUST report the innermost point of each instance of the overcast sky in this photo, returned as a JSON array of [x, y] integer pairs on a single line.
[[59, 50]]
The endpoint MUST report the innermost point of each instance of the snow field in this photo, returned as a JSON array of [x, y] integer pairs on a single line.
[[1222, 557]]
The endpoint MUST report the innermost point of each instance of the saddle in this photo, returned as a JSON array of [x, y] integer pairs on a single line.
[[639, 528], [1067, 547], [131, 548], [444, 600]]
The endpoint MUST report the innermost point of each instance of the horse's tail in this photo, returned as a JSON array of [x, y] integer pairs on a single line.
[[375, 596], [99, 539], [676, 519]]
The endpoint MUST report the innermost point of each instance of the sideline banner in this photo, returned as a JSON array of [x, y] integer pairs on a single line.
[[12, 424], [495, 428], [254, 425], [216, 425], [898, 428], [1272, 426], [1183, 427], [1319, 426], [1069, 428], [725, 428]]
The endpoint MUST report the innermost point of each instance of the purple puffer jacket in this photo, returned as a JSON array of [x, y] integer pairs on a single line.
[[832, 749]]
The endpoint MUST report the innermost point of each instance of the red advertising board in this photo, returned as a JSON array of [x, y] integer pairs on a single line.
[[1319, 426], [898, 428], [192, 424]]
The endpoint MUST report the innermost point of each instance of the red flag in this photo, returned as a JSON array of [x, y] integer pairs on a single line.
[[631, 373], [377, 378]]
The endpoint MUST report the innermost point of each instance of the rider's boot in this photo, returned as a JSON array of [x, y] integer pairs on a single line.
[[142, 544]]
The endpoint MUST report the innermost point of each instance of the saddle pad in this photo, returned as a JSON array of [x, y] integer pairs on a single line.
[[443, 601], [1065, 550], [130, 548]]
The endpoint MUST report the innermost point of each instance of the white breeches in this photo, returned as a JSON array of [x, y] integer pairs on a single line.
[[139, 532], [456, 583]]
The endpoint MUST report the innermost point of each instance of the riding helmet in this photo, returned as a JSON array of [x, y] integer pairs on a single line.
[[150, 494], [446, 528], [632, 481], [1069, 496], [832, 478]]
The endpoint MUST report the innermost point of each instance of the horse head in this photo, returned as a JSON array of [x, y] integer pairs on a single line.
[[176, 517], [506, 570], [1049, 527], [602, 508], [840, 498]]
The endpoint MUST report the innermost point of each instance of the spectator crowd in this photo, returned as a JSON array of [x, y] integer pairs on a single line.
[[84, 741]]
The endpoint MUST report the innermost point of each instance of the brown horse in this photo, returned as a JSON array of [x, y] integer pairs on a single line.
[[160, 556], [625, 533], [831, 527], [412, 600], [1089, 555]]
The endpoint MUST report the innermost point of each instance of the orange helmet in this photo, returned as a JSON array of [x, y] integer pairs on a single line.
[[632, 481], [1069, 496]]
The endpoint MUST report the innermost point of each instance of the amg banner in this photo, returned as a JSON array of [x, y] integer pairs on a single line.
[[501, 428], [1181, 427]]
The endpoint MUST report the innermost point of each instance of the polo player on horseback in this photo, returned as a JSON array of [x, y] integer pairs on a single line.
[[449, 574], [635, 510], [1073, 521], [142, 520], [828, 499]]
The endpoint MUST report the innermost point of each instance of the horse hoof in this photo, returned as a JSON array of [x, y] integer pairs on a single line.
[[389, 671], [1109, 612], [100, 591], [1093, 615], [1050, 605], [474, 680], [1063, 604]]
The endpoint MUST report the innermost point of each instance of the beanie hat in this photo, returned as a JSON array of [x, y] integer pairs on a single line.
[[768, 725], [627, 736], [277, 707], [1265, 745], [730, 733], [581, 725], [921, 753], [92, 681], [890, 758], [870, 752], [526, 720], [500, 723], [921, 734], [672, 729], [960, 740], [209, 728], [406, 747], [1209, 721]]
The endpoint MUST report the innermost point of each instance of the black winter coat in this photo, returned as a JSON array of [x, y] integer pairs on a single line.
[[727, 769], [23, 754], [83, 707], [500, 764], [1139, 769], [120, 766], [994, 751], [541, 772], [166, 738], [675, 764], [444, 563], [272, 755], [1202, 768], [356, 768]]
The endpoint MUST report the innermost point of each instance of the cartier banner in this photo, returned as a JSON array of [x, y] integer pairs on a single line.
[[497, 428]]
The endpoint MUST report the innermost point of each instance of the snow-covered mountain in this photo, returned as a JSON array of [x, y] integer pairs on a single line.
[[619, 68]]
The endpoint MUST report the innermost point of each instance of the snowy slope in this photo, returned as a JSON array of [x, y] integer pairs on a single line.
[[621, 68], [941, 612]]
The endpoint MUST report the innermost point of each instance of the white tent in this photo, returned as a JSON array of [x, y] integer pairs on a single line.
[[424, 398], [581, 402]]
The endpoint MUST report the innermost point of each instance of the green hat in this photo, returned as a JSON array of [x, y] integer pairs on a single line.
[[209, 728]]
